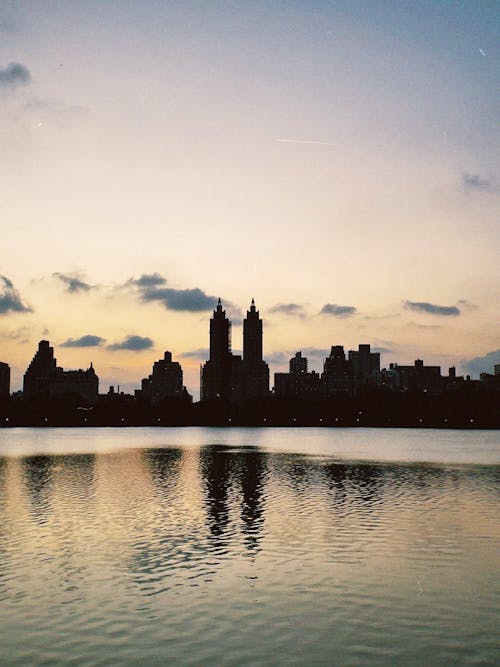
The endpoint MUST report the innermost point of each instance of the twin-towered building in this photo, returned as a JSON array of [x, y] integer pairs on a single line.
[[229, 377]]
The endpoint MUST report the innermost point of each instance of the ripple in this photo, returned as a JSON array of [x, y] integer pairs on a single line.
[[223, 554]]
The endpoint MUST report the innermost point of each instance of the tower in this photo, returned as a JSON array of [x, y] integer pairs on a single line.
[[255, 369], [252, 336], [220, 334]]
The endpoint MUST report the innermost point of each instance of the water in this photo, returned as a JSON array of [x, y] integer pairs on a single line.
[[249, 547]]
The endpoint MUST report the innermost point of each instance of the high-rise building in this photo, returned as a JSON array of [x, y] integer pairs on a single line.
[[366, 365], [44, 377], [220, 334], [338, 373], [4, 379], [226, 376], [255, 369], [165, 382], [420, 378], [298, 382], [298, 363], [252, 336], [217, 373]]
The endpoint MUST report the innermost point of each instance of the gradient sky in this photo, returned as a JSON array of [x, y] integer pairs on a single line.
[[338, 161]]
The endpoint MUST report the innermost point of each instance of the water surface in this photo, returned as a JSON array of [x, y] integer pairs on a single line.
[[248, 547]]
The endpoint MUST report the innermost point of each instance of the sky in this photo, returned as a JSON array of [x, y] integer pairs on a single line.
[[336, 161]]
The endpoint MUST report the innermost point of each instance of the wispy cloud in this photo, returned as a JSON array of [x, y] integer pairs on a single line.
[[278, 358], [293, 309], [73, 282], [467, 304], [10, 299], [431, 308], [304, 141], [338, 311], [199, 353], [84, 341], [477, 182], [132, 343], [483, 364], [20, 335], [14, 75]]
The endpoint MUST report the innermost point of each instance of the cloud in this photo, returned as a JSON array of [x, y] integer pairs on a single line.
[[293, 309], [467, 304], [10, 299], [382, 350], [73, 281], [14, 75], [200, 353], [20, 335], [337, 311], [484, 364], [191, 300], [133, 343], [431, 308], [84, 341], [148, 280], [477, 182], [320, 352], [278, 358]]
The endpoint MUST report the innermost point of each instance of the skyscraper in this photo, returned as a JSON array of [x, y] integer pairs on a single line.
[[220, 334], [217, 382], [4, 379], [226, 376], [252, 336], [255, 369]]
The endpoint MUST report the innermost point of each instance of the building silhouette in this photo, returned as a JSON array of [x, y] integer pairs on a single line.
[[339, 376], [365, 365], [338, 373], [165, 382], [255, 369], [45, 378], [298, 364], [229, 377], [4, 379], [417, 378], [298, 381]]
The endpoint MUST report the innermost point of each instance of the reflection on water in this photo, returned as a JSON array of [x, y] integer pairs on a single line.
[[222, 554]]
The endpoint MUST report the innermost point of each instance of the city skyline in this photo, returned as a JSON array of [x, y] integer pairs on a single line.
[[339, 163], [237, 378]]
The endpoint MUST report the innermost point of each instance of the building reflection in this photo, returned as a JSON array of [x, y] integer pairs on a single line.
[[354, 482], [165, 469], [47, 477], [216, 467], [38, 473], [234, 481], [252, 470]]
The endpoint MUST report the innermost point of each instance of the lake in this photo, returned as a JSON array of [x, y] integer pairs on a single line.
[[240, 546]]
